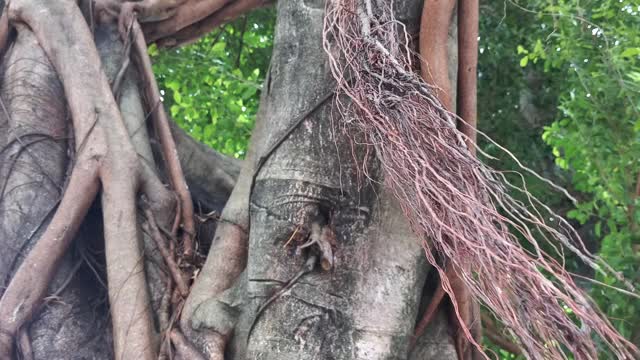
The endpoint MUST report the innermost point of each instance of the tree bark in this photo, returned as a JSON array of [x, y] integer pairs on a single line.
[[310, 216], [365, 305]]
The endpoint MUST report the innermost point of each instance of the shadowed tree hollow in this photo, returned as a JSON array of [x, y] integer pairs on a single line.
[[359, 207]]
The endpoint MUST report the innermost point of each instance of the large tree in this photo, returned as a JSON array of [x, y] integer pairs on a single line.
[[313, 255]]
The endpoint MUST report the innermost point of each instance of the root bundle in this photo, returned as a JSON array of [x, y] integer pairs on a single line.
[[459, 206]]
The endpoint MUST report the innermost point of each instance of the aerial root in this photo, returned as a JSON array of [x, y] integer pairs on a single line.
[[433, 46], [456, 203], [29, 284], [112, 162], [183, 347], [152, 228], [168, 145]]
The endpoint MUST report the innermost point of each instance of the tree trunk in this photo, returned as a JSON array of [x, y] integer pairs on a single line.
[[310, 216], [364, 306]]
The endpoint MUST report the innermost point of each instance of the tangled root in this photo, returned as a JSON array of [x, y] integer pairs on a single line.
[[493, 241]]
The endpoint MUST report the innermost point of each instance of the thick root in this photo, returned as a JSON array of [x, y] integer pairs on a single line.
[[24, 294], [169, 151], [434, 32], [467, 70], [436, 20]]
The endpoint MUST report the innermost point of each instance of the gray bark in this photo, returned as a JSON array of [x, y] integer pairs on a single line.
[[73, 324], [366, 306]]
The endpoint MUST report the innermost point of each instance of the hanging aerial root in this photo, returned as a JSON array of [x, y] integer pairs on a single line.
[[434, 56], [466, 103], [457, 202], [169, 151]]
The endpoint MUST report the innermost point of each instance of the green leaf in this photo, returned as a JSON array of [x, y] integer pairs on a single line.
[[522, 50], [629, 52]]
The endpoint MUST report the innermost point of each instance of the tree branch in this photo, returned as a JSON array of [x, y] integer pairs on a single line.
[[195, 31], [161, 124]]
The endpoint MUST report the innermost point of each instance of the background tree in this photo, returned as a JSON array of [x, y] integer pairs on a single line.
[[557, 87]]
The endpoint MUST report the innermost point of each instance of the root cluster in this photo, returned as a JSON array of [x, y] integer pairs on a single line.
[[457, 204]]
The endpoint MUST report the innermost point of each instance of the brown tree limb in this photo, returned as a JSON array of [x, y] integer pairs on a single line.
[[161, 124], [188, 13], [199, 29], [468, 15]]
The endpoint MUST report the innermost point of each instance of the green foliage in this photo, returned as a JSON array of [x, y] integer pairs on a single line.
[[212, 87], [597, 131], [586, 55]]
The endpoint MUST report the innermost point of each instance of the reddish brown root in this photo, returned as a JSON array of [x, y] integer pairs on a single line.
[[434, 32], [174, 270], [465, 317], [28, 286], [195, 31], [434, 35], [169, 151], [467, 70]]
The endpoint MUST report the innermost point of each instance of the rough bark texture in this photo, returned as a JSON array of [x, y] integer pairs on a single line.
[[35, 161], [73, 324], [362, 305], [211, 176], [365, 306]]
